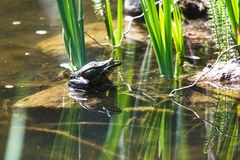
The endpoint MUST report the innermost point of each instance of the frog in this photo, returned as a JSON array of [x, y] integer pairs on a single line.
[[93, 77]]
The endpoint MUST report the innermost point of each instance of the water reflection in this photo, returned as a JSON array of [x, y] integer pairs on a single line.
[[67, 143], [16, 136], [222, 139], [114, 140], [150, 125], [147, 133], [100, 102]]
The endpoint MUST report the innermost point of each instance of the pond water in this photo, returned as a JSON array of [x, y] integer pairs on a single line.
[[135, 120]]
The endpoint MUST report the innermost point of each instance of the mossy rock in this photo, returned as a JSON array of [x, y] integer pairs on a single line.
[[222, 78]]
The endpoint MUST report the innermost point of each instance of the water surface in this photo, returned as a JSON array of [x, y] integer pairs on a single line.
[[195, 124]]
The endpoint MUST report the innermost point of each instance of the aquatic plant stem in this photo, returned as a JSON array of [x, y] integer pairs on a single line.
[[119, 20], [81, 29], [168, 37], [178, 39], [233, 8], [160, 33], [110, 22], [123, 34], [171, 94], [73, 30]]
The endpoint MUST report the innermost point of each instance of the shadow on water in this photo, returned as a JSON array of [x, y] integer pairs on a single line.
[[194, 125]]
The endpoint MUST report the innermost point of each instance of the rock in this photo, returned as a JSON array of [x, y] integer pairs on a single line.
[[54, 97], [224, 72], [132, 7], [193, 9], [223, 78]]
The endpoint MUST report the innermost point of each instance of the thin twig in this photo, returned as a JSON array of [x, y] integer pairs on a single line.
[[171, 94], [204, 120], [132, 90]]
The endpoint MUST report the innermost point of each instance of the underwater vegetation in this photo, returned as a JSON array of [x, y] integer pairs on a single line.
[[225, 121]]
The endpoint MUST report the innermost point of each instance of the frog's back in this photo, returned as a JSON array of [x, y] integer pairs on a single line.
[[85, 68]]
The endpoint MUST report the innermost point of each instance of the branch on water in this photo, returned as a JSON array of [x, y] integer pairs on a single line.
[[206, 121], [171, 94]]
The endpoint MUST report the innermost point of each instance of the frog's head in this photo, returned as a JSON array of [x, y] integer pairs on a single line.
[[109, 65]]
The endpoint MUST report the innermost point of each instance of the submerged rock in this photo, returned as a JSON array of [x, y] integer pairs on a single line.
[[54, 46], [61, 96], [54, 97]]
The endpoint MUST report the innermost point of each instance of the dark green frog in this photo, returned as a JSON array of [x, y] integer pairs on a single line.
[[93, 76]]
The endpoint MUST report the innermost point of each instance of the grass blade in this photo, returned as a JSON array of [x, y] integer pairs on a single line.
[[73, 32], [110, 22]]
